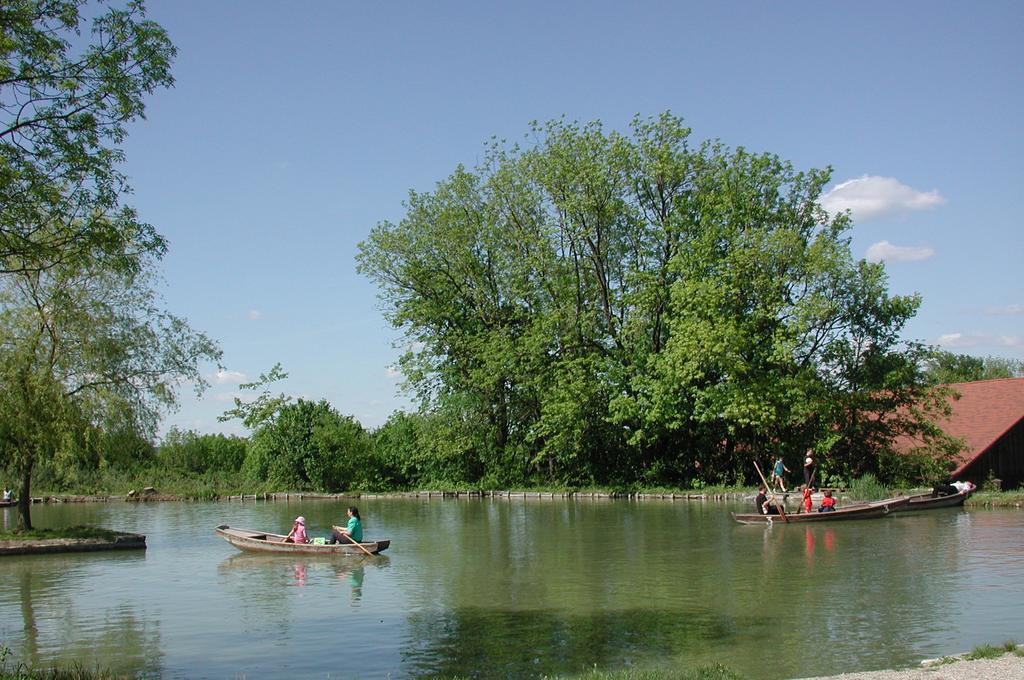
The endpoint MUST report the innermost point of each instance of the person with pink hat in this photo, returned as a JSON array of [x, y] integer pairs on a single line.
[[298, 532]]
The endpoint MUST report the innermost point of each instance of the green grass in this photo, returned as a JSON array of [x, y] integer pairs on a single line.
[[996, 499], [984, 652], [67, 532], [868, 488], [707, 672]]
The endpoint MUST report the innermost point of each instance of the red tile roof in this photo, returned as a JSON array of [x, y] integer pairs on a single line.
[[985, 411]]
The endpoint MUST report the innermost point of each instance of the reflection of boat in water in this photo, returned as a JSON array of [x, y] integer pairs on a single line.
[[264, 542], [249, 560], [864, 511]]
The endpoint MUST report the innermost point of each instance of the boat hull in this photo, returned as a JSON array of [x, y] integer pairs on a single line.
[[263, 542], [925, 501], [865, 511]]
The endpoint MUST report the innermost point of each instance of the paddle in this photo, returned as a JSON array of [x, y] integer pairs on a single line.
[[777, 504], [354, 541]]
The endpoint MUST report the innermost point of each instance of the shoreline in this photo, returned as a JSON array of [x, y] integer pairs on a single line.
[[44, 546], [982, 500], [1009, 666]]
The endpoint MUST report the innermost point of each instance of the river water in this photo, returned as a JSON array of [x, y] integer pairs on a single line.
[[515, 588]]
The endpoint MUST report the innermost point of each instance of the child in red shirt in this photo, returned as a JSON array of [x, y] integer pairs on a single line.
[[806, 503]]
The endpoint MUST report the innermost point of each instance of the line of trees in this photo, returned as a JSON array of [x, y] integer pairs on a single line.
[[592, 307], [598, 307]]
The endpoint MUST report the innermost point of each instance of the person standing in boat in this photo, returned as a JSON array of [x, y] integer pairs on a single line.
[[808, 467], [777, 472], [764, 504], [7, 494], [352, 532], [298, 532]]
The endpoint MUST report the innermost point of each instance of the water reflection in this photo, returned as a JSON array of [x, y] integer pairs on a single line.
[[298, 571], [55, 630], [478, 642], [513, 588]]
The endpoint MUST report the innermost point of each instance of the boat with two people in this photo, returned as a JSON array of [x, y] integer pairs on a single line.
[[266, 542]]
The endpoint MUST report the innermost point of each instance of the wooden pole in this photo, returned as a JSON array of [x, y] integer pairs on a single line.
[[354, 541], [777, 504]]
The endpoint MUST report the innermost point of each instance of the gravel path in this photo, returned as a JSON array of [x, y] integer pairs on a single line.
[[1006, 667]]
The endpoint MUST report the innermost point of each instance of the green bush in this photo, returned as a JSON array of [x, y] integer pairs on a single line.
[[868, 488], [309, 446], [192, 453]]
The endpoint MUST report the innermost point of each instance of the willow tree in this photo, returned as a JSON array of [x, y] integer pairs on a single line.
[[85, 341], [616, 307], [86, 347]]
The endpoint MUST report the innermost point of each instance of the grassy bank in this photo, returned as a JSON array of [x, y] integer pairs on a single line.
[[66, 532], [996, 499], [218, 485]]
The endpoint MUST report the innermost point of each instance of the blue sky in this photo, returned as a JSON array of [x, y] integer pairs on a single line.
[[295, 127]]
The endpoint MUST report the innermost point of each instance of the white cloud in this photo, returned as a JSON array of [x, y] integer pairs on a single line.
[[1008, 310], [393, 372], [224, 377], [962, 340], [227, 396], [255, 314], [888, 252], [870, 197]]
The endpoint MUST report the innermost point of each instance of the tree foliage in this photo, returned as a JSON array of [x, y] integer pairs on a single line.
[[264, 408], [87, 349], [64, 104], [192, 453], [600, 307], [309, 445], [948, 367]]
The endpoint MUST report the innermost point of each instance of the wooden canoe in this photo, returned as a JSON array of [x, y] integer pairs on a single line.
[[262, 541], [925, 501], [861, 511]]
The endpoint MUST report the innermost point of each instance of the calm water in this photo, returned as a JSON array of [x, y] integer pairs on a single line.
[[516, 589]]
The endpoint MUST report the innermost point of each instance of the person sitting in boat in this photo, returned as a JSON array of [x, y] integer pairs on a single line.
[[764, 504], [828, 504], [352, 532], [298, 532]]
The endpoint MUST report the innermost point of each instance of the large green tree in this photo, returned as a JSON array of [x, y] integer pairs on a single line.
[[606, 307], [86, 345], [309, 445]]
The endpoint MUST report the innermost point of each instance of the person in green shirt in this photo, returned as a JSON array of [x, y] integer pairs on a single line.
[[352, 532]]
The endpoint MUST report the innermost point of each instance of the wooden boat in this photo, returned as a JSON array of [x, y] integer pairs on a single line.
[[262, 541], [8, 504], [861, 511], [925, 501]]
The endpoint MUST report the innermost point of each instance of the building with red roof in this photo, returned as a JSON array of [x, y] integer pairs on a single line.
[[989, 417]]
